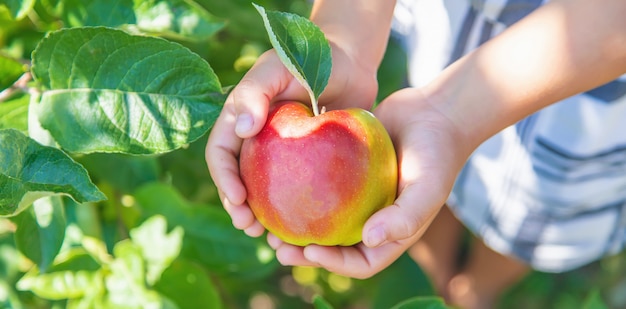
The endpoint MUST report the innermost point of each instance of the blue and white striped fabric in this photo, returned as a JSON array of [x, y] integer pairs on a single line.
[[549, 190]]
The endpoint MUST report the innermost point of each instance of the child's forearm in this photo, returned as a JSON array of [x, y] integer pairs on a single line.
[[564, 48], [360, 27]]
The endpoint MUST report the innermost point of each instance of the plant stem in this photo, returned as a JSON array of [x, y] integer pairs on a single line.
[[20, 85], [314, 105]]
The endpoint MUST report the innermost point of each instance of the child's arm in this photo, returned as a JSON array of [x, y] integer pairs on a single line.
[[563, 48]]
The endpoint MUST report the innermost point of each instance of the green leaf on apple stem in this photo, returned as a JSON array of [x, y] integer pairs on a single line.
[[302, 48], [104, 90], [29, 171]]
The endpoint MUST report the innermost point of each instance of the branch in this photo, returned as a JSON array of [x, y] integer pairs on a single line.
[[20, 85]]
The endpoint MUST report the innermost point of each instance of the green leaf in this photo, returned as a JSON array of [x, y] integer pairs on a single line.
[[11, 70], [29, 171], [14, 113], [188, 285], [125, 283], [40, 231], [158, 247], [594, 301], [75, 275], [18, 8], [302, 48], [422, 302], [81, 13], [401, 280], [124, 172], [107, 91], [180, 19], [320, 303], [210, 237]]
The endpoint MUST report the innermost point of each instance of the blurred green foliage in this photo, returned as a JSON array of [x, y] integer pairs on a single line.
[[162, 238]]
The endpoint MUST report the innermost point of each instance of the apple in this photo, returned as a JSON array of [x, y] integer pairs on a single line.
[[317, 179]]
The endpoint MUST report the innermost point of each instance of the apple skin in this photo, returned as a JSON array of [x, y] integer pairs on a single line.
[[317, 179]]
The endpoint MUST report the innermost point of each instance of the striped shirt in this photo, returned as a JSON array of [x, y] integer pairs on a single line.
[[549, 190]]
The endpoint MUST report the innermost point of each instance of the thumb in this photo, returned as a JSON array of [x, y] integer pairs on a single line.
[[409, 216], [251, 104], [267, 81]]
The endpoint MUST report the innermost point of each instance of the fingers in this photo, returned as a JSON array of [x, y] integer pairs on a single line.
[[288, 254], [357, 261], [243, 115], [221, 155]]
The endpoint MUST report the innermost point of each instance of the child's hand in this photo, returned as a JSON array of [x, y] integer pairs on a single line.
[[431, 151], [245, 112]]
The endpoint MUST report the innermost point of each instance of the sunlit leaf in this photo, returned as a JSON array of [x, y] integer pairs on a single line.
[[40, 231], [210, 237], [159, 248], [107, 91], [29, 171], [125, 284], [75, 275], [302, 48]]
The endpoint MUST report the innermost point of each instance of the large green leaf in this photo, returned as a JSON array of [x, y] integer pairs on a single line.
[[18, 8], [209, 234], [107, 91], [40, 231], [302, 48], [180, 19], [29, 171]]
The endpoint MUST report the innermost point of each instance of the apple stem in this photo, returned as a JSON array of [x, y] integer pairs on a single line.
[[314, 106]]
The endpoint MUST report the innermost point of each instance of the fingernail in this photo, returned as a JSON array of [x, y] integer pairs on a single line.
[[243, 124], [376, 236]]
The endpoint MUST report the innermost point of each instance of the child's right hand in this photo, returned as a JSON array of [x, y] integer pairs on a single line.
[[431, 149]]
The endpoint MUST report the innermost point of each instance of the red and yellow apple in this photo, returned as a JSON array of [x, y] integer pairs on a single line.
[[317, 179]]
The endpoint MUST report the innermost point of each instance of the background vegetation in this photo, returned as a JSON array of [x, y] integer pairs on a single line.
[[160, 239]]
